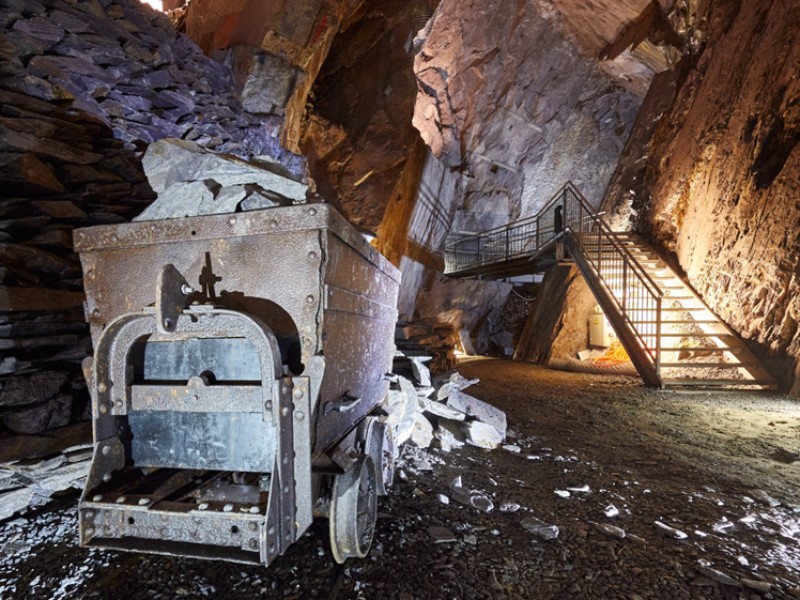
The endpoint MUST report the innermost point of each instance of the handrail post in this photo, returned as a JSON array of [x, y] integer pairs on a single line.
[[507, 230], [658, 336], [538, 231], [624, 285]]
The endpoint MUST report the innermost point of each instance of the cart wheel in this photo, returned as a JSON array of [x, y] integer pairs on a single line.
[[379, 444], [354, 508]]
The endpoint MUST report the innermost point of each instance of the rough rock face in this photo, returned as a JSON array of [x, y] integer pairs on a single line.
[[553, 333], [517, 107], [723, 176], [359, 135], [472, 307], [85, 87]]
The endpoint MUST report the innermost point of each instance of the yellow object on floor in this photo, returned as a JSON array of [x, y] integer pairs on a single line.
[[615, 355]]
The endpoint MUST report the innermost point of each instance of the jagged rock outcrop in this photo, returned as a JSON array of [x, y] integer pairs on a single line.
[[557, 325], [85, 87], [722, 175]]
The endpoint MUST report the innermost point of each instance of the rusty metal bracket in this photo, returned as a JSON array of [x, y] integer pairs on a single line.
[[172, 291]]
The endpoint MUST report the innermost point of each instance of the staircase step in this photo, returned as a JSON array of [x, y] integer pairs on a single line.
[[716, 365], [702, 349], [714, 382]]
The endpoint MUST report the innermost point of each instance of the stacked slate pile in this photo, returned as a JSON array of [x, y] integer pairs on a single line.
[[85, 86], [428, 337]]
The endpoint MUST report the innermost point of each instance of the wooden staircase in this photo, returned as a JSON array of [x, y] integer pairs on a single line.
[[672, 337]]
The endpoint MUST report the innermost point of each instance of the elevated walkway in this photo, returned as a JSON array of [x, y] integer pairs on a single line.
[[672, 337]]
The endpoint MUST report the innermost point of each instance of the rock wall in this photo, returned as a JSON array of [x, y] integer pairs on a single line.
[[722, 177], [557, 325], [359, 137], [518, 107], [85, 87]]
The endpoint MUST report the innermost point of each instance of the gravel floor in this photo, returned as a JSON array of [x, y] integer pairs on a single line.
[[721, 467]]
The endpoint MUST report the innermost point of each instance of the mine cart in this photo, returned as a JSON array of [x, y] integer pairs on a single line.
[[238, 362]]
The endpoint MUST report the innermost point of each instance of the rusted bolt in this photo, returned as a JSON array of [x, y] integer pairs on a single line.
[[253, 526], [121, 500], [89, 515], [97, 497], [203, 506], [119, 403], [143, 501], [186, 289]]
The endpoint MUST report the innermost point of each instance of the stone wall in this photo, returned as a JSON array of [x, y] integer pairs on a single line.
[[85, 87], [722, 175]]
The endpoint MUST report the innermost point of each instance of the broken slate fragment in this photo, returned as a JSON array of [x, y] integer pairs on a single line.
[[610, 530], [457, 382], [441, 535], [421, 371], [539, 528], [509, 507], [483, 412], [421, 431], [668, 531], [440, 410], [473, 498], [719, 576], [482, 435]]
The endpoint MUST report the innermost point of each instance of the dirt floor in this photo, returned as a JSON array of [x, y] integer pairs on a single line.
[[720, 467]]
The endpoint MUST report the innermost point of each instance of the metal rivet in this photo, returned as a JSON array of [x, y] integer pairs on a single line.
[[203, 506], [271, 530], [119, 403], [312, 255], [102, 387], [268, 405], [254, 543], [107, 477], [298, 393], [89, 532], [299, 415], [273, 224], [106, 450], [103, 408], [285, 411], [97, 497], [96, 312], [272, 548], [89, 514], [120, 500], [90, 274], [227, 508], [114, 237], [232, 220], [284, 389], [253, 526], [143, 501], [310, 299], [312, 211]]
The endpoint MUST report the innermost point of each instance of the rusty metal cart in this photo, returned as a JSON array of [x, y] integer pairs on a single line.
[[237, 362]]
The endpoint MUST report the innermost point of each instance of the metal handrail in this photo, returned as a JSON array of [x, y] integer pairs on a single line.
[[530, 237]]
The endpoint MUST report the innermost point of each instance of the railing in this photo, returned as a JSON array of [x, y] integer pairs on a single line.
[[634, 293]]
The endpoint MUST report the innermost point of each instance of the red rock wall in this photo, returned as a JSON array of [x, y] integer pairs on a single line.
[[722, 179]]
